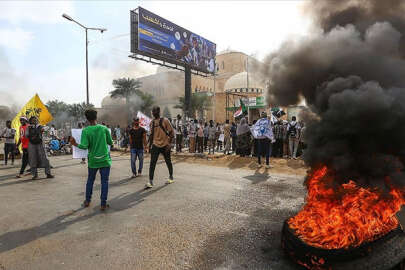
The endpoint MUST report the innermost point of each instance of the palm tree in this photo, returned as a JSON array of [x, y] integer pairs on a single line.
[[125, 88], [199, 103], [77, 110], [147, 102]]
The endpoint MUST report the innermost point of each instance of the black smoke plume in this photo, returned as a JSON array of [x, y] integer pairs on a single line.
[[352, 75]]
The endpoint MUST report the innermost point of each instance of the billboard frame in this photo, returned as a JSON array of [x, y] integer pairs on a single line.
[[166, 62]]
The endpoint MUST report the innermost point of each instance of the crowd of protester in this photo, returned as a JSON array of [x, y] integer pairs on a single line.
[[198, 136], [265, 137]]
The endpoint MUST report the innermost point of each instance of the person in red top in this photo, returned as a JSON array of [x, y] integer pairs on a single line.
[[23, 140]]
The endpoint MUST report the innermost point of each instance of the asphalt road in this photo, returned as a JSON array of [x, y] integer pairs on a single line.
[[210, 218]]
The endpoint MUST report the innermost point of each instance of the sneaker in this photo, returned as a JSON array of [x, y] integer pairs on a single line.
[[104, 207], [50, 176], [139, 173], [133, 176], [170, 180], [85, 204], [148, 185], [268, 166], [19, 175], [259, 166]]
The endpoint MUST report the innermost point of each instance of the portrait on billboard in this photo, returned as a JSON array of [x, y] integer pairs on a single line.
[[163, 38]]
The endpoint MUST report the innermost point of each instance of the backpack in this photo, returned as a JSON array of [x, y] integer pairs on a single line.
[[34, 135], [292, 132], [153, 131]]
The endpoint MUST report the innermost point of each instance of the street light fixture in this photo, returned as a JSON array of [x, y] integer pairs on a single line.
[[67, 17]]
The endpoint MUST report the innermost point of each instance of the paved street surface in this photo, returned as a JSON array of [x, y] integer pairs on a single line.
[[212, 217]]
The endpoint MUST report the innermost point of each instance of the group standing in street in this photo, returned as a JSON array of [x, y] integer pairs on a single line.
[[264, 138]]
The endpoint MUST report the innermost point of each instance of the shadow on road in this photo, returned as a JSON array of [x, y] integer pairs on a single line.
[[126, 201], [258, 177], [12, 240]]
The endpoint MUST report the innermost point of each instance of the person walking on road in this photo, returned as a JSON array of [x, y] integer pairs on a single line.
[[293, 131], [192, 135], [9, 145], [36, 151], [200, 138], [96, 138], [23, 140], [205, 131], [137, 142], [263, 132], [161, 137], [227, 137], [179, 134], [212, 137]]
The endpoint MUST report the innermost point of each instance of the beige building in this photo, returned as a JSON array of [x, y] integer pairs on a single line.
[[231, 83]]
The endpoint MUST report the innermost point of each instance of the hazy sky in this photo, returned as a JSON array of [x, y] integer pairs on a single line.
[[41, 52]]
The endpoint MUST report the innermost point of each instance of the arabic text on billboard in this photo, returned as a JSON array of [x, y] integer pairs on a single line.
[[163, 38]]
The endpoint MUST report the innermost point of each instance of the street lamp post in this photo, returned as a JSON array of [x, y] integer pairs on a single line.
[[67, 17]]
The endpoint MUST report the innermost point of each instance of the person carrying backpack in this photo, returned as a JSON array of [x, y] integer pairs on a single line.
[[160, 140], [36, 150], [293, 131]]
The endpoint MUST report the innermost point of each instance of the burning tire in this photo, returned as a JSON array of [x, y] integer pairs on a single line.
[[385, 253]]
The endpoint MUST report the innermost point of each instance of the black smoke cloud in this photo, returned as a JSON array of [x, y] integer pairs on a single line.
[[352, 75]]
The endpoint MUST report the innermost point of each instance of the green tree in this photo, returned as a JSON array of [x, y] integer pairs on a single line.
[[125, 88], [56, 107], [147, 101], [59, 111], [199, 103], [76, 110]]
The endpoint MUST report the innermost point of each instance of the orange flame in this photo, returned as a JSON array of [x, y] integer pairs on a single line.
[[344, 217]]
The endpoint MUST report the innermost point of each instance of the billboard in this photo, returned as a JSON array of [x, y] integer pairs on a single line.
[[164, 39]]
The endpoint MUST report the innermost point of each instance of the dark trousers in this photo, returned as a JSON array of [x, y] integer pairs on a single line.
[[24, 162], [278, 148], [154, 153], [234, 144], [179, 142], [205, 143], [200, 144], [264, 149], [9, 148], [105, 174]]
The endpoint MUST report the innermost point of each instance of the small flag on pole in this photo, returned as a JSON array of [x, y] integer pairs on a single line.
[[241, 110]]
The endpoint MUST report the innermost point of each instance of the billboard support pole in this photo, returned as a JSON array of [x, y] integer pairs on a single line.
[[187, 90]]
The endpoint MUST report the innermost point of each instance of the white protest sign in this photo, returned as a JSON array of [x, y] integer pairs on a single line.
[[144, 121], [78, 153]]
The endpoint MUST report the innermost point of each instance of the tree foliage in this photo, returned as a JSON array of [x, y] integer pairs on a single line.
[[135, 99], [199, 103]]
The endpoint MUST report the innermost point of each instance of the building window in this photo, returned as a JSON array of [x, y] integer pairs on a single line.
[[257, 90], [223, 65]]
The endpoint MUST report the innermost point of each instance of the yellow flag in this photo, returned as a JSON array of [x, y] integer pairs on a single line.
[[34, 107]]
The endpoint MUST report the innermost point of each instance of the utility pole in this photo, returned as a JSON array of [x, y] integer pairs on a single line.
[[67, 17]]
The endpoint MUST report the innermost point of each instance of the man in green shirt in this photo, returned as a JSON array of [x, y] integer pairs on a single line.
[[96, 139]]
